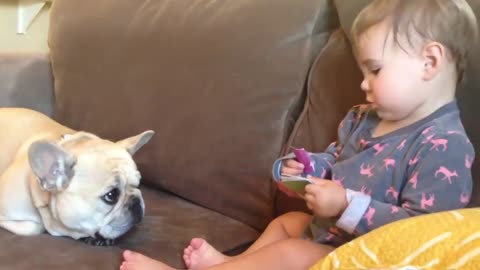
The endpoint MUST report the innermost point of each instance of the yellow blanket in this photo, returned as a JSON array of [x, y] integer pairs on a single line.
[[446, 240]]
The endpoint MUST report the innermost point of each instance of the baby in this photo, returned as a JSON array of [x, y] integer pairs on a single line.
[[404, 154]]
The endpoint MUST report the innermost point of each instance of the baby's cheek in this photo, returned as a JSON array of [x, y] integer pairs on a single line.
[[390, 94]]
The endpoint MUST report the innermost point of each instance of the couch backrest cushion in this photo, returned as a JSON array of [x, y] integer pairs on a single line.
[[216, 80], [26, 81], [333, 87]]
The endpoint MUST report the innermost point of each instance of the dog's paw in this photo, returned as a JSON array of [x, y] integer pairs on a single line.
[[98, 241]]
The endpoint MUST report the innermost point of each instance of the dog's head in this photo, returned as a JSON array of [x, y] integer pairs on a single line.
[[93, 183]]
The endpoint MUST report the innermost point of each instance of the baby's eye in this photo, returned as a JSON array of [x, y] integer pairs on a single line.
[[375, 71]]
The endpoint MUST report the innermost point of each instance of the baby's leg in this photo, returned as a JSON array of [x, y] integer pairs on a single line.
[[200, 254], [289, 225], [284, 254]]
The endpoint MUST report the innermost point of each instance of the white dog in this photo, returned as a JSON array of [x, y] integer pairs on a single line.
[[67, 182]]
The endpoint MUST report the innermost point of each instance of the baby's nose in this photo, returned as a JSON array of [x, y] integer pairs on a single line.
[[364, 85]]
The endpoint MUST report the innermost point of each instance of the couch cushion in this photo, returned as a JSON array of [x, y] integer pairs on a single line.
[[168, 226], [333, 88], [216, 80], [172, 222], [26, 81], [48, 252], [468, 98], [468, 93]]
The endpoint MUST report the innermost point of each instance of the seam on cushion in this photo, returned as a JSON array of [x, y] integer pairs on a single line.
[[333, 20], [306, 105], [331, 8]]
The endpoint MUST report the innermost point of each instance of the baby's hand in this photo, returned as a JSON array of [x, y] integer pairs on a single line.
[[325, 198], [291, 167]]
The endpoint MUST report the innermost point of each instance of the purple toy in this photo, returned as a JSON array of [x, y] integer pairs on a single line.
[[303, 157]]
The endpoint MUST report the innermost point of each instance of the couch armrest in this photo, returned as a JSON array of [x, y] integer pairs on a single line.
[[26, 81]]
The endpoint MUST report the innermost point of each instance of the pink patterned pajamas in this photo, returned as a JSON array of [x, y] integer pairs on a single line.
[[419, 169]]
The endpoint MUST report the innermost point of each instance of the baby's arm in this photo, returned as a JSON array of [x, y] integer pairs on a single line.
[[440, 180], [322, 162]]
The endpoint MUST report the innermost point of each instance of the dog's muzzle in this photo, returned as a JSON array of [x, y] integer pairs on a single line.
[[136, 210]]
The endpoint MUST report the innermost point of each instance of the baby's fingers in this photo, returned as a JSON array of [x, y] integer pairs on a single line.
[[291, 163], [291, 171], [292, 167], [309, 200], [310, 206]]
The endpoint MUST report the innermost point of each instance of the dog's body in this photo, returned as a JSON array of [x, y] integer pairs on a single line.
[[66, 182]]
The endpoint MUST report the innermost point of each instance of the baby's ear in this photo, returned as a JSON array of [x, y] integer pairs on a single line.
[[433, 55]]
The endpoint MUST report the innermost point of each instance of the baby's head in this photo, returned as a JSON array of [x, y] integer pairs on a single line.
[[412, 47]]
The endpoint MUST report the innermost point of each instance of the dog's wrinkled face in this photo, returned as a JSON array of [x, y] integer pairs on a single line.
[[94, 183], [103, 195]]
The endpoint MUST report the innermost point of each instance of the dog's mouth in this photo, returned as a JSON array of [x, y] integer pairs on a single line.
[[98, 240], [108, 234]]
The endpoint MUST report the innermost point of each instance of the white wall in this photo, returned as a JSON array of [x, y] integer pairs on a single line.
[[36, 37]]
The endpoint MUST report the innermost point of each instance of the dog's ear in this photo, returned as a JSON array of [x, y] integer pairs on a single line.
[[52, 165], [132, 144]]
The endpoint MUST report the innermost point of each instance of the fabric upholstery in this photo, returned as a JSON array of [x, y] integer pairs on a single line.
[[333, 88], [216, 80], [26, 81]]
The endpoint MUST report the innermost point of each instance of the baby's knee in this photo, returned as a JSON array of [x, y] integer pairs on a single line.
[[294, 217], [293, 247], [307, 252], [292, 223]]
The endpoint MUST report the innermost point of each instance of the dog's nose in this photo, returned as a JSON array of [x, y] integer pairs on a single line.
[[135, 208]]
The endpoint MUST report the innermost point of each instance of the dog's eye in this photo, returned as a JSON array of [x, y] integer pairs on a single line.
[[111, 197]]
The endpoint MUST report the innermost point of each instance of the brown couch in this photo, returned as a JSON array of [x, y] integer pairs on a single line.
[[228, 87]]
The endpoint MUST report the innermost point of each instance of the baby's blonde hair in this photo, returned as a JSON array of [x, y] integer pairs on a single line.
[[449, 22]]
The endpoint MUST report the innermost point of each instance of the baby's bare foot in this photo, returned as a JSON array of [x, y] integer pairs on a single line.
[[201, 255], [137, 261]]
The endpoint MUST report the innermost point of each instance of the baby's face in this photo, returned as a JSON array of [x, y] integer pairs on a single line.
[[392, 75]]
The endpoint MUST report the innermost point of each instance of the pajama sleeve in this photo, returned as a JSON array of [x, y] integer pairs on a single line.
[[438, 178], [322, 162]]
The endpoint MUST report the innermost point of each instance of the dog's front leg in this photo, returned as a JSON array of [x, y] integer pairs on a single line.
[[26, 228], [55, 228]]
